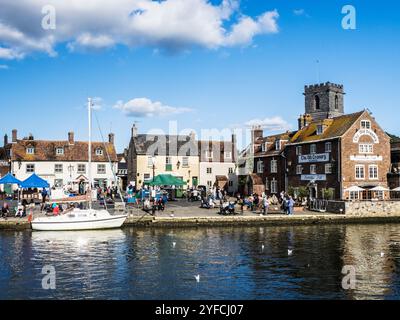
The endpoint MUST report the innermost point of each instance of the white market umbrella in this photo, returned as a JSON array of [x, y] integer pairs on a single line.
[[380, 188], [354, 189], [396, 189]]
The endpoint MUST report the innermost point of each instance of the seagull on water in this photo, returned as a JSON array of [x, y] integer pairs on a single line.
[[197, 277]]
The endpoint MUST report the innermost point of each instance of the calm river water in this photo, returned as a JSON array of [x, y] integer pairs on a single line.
[[233, 263]]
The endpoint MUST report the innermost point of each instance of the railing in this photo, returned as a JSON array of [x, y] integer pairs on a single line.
[[318, 205]]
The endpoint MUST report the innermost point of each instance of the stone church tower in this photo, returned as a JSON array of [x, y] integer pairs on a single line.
[[324, 100]]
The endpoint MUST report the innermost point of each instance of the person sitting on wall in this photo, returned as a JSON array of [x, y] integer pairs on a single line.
[[5, 210]]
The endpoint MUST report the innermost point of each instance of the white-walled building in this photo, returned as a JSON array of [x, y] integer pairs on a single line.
[[62, 162], [218, 164]]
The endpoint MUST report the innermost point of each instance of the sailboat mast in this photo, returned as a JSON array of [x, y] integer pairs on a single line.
[[90, 151]]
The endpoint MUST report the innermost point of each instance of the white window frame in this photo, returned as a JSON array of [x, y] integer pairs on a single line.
[[328, 146], [228, 155], [30, 150], [146, 176], [320, 129], [209, 154], [357, 171], [365, 124], [185, 162], [99, 151], [274, 166], [365, 148], [81, 165], [263, 147], [299, 150], [149, 161], [313, 169], [168, 160], [32, 165], [354, 195], [274, 186], [313, 148], [59, 165], [299, 169], [101, 171], [231, 170], [328, 168], [278, 145], [260, 166], [209, 184], [59, 151], [209, 170], [375, 176]]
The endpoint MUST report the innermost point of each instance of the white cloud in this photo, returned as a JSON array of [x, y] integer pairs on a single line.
[[270, 124], [98, 24], [300, 12], [3, 66], [144, 107]]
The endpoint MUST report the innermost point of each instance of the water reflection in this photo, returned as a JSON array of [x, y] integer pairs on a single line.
[[234, 263]]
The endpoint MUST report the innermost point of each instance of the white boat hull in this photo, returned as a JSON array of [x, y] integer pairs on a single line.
[[79, 220]]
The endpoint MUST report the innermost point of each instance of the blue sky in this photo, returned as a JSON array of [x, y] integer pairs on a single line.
[[198, 81]]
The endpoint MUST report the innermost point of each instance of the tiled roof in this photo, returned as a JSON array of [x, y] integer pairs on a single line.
[[218, 148], [46, 151], [336, 127], [147, 144], [271, 150]]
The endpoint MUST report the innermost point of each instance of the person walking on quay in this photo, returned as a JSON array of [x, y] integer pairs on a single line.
[[290, 206], [265, 204]]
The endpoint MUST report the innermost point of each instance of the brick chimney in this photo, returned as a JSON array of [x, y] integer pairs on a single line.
[[134, 131], [14, 136], [256, 132], [71, 139], [111, 138], [5, 139]]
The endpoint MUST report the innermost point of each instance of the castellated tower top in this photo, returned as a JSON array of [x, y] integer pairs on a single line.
[[324, 100]]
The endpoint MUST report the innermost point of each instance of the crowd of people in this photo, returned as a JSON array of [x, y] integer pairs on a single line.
[[255, 203]]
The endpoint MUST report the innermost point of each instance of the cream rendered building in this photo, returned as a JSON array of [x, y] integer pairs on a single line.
[[151, 155]]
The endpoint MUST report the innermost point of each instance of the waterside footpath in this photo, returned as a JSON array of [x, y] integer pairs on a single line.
[[195, 217]]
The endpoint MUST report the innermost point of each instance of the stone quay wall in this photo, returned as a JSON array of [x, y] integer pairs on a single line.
[[365, 208]]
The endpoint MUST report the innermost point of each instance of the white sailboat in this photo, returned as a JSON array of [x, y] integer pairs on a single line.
[[77, 219]]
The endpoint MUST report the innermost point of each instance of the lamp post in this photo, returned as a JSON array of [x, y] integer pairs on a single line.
[[153, 161]]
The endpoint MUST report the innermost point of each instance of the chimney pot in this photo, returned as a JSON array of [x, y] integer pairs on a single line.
[[14, 135], [71, 137], [5, 139], [111, 138]]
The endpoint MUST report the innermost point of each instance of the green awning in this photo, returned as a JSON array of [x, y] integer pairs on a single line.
[[166, 180]]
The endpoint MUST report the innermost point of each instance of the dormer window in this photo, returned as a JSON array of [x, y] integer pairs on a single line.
[[365, 124], [263, 147], [59, 151], [320, 129], [30, 150], [99, 152], [278, 145]]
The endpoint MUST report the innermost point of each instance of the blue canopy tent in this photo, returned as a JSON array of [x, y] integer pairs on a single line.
[[9, 179], [34, 181]]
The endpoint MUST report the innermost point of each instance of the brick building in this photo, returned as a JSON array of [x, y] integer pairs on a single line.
[[270, 160], [330, 152]]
